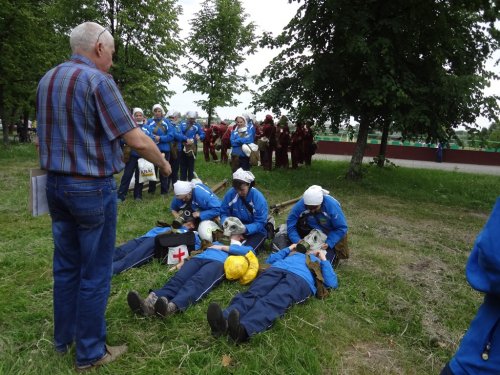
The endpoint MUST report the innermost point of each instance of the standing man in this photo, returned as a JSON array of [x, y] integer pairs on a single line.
[[81, 117]]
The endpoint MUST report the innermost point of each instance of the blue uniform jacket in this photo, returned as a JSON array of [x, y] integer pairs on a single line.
[[221, 256], [296, 264], [165, 130], [191, 133], [203, 200], [237, 141], [330, 220], [479, 351], [232, 205]]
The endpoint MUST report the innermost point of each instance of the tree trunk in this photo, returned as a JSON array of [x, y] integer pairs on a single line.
[[5, 128], [354, 172], [383, 145]]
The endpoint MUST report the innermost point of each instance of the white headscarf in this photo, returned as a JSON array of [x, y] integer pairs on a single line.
[[159, 106], [137, 109], [243, 175], [182, 187], [192, 114], [313, 196]]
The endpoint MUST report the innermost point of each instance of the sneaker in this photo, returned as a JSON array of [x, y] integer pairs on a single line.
[[142, 306], [112, 353], [236, 331], [216, 320], [164, 308]]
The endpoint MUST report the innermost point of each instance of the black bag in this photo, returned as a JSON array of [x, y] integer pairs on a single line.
[[171, 239], [280, 240], [303, 227]]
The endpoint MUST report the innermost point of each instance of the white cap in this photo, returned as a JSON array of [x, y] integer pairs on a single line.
[[137, 109], [192, 114], [183, 187], [158, 106], [313, 196], [243, 175]]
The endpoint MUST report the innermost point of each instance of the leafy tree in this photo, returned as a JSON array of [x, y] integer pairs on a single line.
[[146, 42], [28, 47], [219, 42], [417, 66]]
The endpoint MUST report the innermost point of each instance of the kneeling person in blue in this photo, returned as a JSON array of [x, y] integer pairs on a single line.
[[479, 351], [139, 251], [248, 204], [318, 210], [197, 199], [196, 278], [288, 281]]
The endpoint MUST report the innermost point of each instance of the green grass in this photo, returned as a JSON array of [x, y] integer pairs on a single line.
[[401, 308]]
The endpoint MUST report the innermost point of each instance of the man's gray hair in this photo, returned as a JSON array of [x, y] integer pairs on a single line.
[[85, 36]]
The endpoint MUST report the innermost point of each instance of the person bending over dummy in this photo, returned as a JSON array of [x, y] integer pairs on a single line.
[[248, 204], [197, 277], [288, 281], [139, 251], [479, 351], [195, 199], [318, 210]]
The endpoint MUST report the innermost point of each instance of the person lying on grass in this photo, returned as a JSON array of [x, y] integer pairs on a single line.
[[199, 274], [139, 251], [288, 280]]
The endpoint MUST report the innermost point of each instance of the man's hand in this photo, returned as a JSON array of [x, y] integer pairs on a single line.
[[196, 214], [165, 168]]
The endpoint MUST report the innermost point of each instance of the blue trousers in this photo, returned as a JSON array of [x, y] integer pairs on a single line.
[[164, 180], [83, 216], [186, 163], [193, 281], [268, 298], [129, 172], [133, 253], [174, 163]]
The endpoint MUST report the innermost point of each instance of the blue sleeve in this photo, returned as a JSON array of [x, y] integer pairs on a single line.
[[329, 275], [201, 132], [176, 204], [209, 204], [260, 214], [169, 137], [338, 223], [291, 221], [239, 249], [282, 254], [238, 141]]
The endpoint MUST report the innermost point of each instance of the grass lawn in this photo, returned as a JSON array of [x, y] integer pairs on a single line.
[[401, 308]]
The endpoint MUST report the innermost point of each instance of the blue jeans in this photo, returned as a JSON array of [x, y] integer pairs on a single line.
[[83, 213]]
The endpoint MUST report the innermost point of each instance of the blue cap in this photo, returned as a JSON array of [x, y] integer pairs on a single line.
[[483, 266]]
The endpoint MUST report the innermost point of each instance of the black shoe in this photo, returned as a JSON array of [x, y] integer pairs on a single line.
[[134, 301], [164, 308], [236, 331], [216, 320]]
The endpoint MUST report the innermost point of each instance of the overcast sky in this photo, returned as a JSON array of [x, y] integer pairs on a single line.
[[267, 15]]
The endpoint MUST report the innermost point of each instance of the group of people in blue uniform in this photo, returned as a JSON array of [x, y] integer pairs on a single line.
[[177, 141], [235, 226]]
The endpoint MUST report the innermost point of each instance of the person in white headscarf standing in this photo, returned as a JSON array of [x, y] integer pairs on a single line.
[[190, 132], [248, 204], [318, 210]]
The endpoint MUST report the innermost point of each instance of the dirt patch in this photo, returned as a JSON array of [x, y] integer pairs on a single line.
[[370, 358]]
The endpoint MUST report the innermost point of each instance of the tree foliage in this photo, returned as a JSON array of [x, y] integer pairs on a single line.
[[418, 65], [34, 36], [218, 44]]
